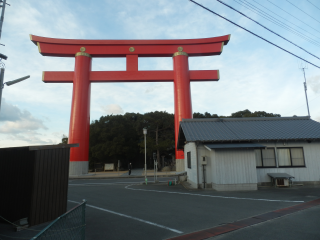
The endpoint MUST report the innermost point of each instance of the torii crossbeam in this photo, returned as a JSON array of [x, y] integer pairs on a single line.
[[82, 77]]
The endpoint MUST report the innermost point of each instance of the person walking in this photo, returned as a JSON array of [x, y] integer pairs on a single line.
[[130, 167]]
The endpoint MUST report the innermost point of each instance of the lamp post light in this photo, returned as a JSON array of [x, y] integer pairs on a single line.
[[145, 154], [8, 83]]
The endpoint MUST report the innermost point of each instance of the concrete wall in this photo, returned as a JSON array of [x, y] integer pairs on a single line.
[[309, 173], [78, 168], [191, 172], [180, 167]]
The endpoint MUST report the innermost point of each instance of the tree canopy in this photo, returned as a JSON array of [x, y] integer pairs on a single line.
[[247, 113], [120, 137]]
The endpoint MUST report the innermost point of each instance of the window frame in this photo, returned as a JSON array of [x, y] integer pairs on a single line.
[[291, 166], [189, 159], [275, 158]]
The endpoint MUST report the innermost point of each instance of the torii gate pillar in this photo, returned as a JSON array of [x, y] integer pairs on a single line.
[[182, 97], [82, 77], [79, 128]]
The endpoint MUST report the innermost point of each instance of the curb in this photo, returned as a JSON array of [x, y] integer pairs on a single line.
[[95, 177], [185, 186]]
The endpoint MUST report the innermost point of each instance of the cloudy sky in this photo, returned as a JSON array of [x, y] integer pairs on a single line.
[[254, 75]]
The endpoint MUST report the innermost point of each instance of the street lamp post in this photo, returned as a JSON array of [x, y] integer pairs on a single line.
[[8, 83], [145, 154]]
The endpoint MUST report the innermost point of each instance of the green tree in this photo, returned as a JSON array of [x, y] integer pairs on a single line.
[[198, 115], [205, 115], [264, 114], [248, 113], [64, 139], [240, 114], [160, 137], [113, 138]]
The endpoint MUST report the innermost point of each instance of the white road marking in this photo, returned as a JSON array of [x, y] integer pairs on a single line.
[[134, 218], [114, 183], [88, 184], [201, 195]]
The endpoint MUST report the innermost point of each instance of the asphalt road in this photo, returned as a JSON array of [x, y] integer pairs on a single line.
[[126, 209], [300, 225]]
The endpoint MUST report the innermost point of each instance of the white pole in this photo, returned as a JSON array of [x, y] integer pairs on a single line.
[[154, 171], [145, 158]]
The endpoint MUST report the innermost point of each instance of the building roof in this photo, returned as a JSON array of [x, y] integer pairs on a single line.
[[233, 145], [248, 129]]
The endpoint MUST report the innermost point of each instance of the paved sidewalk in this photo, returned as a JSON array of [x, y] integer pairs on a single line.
[[135, 173]]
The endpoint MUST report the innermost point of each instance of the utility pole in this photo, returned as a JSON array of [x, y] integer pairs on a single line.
[[1, 63], [305, 87], [1, 83], [2, 15], [2, 56]]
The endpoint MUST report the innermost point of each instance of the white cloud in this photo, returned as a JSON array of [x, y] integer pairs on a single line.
[[153, 89], [314, 83], [17, 121], [26, 139], [22, 125], [114, 109]]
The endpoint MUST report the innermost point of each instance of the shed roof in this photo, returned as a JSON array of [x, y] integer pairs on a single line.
[[248, 129]]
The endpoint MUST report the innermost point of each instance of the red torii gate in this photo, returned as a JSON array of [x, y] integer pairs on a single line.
[[85, 50]]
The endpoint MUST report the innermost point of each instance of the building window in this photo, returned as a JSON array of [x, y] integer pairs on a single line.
[[189, 159], [291, 157], [265, 158]]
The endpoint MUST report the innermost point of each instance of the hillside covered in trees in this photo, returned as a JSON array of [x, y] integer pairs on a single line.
[[120, 137]]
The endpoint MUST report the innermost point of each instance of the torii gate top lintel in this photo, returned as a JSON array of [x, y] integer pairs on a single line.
[[121, 48]]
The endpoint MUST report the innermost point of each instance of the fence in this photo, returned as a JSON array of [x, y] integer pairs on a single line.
[[71, 226]]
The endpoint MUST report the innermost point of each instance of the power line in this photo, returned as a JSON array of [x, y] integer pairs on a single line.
[[293, 16], [313, 4], [285, 19], [267, 29], [253, 33], [302, 11], [279, 23], [301, 105]]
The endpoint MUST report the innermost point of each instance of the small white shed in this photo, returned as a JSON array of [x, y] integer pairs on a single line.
[[238, 153]]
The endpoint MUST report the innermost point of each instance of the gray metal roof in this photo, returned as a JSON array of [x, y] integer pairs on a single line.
[[280, 175], [248, 129], [233, 145]]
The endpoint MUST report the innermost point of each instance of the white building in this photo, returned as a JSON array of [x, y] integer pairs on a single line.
[[229, 154]]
